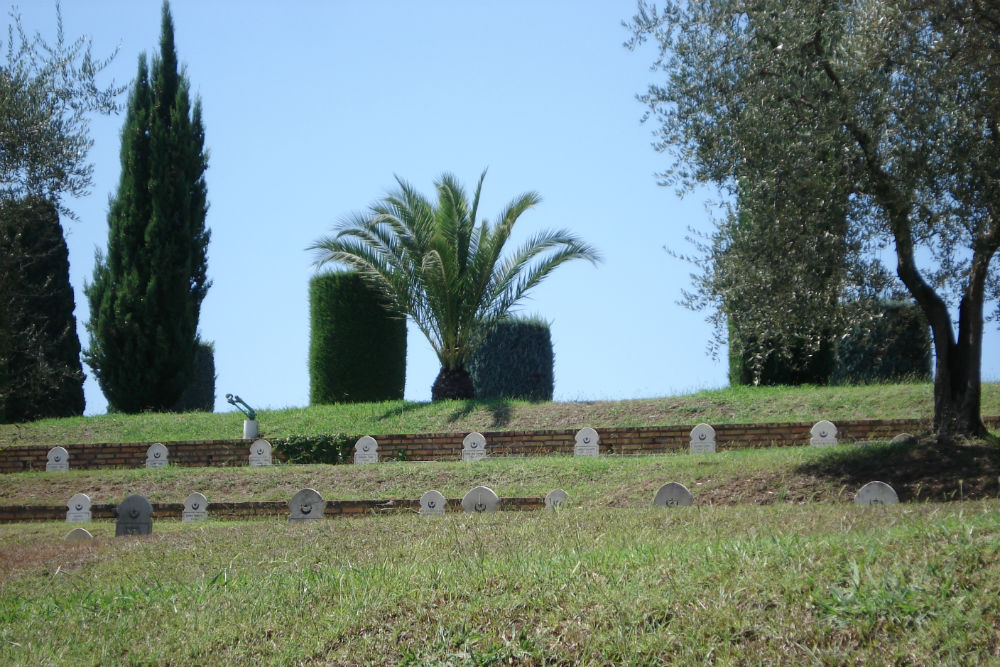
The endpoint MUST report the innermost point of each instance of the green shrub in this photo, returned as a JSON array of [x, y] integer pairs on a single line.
[[515, 361], [357, 346], [806, 369], [897, 347], [200, 394], [332, 448]]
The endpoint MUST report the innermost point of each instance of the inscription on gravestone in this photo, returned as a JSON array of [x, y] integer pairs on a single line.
[[78, 508], [432, 502], [306, 505], [702, 439], [474, 447], [673, 494], [824, 434], [587, 443], [195, 508], [57, 460], [260, 453], [876, 493], [481, 499], [156, 456], [365, 450], [556, 499], [78, 535], [135, 517]]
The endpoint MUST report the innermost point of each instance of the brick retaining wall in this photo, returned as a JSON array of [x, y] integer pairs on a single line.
[[448, 446]]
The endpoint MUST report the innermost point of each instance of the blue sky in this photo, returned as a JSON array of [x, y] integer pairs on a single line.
[[311, 108]]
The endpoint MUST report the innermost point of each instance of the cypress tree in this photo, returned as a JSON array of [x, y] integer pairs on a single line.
[[40, 371], [146, 294]]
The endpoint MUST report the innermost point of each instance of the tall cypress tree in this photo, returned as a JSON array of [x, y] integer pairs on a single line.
[[146, 295]]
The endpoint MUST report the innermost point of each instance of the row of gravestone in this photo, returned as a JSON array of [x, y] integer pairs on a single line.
[[823, 433], [135, 512]]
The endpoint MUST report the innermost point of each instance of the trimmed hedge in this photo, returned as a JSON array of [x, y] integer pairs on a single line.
[[817, 369], [199, 396], [357, 346], [515, 361]]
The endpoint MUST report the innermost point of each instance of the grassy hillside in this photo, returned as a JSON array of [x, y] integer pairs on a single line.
[[724, 406]]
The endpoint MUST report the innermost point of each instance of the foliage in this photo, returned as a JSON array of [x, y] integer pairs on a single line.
[[753, 362], [357, 345], [895, 348], [200, 394], [331, 448], [893, 106], [40, 372], [146, 294], [515, 361], [435, 265]]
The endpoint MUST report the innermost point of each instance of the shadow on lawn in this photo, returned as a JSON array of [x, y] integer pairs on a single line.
[[927, 470], [500, 410]]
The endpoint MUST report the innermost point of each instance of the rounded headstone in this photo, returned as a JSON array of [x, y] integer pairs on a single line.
[[78, 508], [481, 499], [156, 456], [876, 493], [57, 460], [366, 450], [260, 453], [823, 433], [673, 494], [306, 505], [702, 439], [195, 508], [78, 535], [432, 502], [903, 438], [556, 499], [588, 443], [134, 517], [474, 447]]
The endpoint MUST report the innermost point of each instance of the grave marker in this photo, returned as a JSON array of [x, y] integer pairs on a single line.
[[432, 502], [306, 505], [135, 517], [673, 494], [474, 447], [824, 434], [78, 508], [195, 508], [481, 499], [365, 450], [876, 493], [78, 535], [156, 456], [587, 443], [556, 499], [702, 439], [260, 453], [57, 460], [903, 438]]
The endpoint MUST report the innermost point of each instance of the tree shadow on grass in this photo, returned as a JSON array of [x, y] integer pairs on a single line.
[[500, 410], [926, 470]]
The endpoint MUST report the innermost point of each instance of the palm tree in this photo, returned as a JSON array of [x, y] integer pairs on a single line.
[[435, 265]]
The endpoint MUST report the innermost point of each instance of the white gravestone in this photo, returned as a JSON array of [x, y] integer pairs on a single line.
[[587, 443], [260, 453], [673, 494], [556, 499], [156, 456], [474, 447], [702, 439], [195, 508], [903, 438], [78, 535], [306, 505], [365, 450], [78, 508], [135, 517], [481, 499], [824, 434], [57, 460], [432, 502], [876, 493]]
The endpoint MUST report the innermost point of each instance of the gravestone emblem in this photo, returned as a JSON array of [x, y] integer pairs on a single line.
[[824, 434], [57, 460], [903, 438], [365, 450], [156, 456], [673, 494], [306, 505], [876, 493], [702, 439], [481, 499], [195, 508], [78, 508], [78, 535], [135, 517], [474, 447], [432, 502], [260, 453], [556, 499], [587, 443]]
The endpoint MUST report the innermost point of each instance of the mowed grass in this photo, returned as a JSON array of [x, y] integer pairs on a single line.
[[723, 406], [787, 584]]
